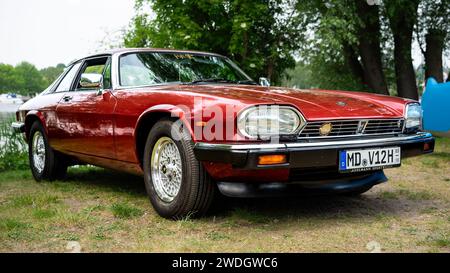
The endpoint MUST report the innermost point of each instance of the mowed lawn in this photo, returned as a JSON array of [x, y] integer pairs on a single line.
[[105, 211]]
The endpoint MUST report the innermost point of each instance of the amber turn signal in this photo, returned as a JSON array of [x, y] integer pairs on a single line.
[[271, 159]]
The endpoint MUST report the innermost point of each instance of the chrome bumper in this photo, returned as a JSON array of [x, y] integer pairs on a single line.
[[308, 153], [18, 127], [316, 143]]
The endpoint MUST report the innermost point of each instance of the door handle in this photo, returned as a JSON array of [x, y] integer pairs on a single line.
[[67, 98]]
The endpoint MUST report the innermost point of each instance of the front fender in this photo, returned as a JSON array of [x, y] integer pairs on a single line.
[[174, 111]]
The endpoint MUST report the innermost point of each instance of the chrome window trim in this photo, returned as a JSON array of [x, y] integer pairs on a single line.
[[115, 61]]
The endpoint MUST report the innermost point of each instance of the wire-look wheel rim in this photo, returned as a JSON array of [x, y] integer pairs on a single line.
[[38, 151], [166, 169]]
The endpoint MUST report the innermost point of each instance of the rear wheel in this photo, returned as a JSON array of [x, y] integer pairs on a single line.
[[176, 182], [45, 163]]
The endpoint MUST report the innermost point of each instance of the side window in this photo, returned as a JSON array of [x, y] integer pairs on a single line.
[[107, 76], [91, 74], [66, 82]]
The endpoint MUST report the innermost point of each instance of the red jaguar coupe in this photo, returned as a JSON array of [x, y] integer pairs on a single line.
[[194, 124]]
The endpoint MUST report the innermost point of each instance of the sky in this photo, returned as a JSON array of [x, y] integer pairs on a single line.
[[48, 32]]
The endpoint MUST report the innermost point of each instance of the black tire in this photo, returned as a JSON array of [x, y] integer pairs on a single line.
[[55, 165], [197, 189], [357, 192]]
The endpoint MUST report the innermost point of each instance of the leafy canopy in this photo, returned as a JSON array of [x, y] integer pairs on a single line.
[[261, 36]]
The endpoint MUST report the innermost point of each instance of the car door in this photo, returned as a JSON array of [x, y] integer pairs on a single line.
[[86, 112], [56, 130]]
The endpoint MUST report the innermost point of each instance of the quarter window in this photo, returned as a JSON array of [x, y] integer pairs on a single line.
[[66, 83]]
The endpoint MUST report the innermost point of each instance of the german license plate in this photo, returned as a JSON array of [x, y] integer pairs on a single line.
[[369, 159]]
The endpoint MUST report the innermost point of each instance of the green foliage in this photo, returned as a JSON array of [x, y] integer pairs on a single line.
[[13, 153], [50, 73], [261, 36], [32, 79], [321, 74], [9, 80], [331, 26], [26, 79]]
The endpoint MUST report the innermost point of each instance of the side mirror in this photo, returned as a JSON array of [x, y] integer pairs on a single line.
[[264, 82], [91, 81]]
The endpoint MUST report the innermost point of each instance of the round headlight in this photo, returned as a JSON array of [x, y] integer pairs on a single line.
[[413, 116], [269, 120]]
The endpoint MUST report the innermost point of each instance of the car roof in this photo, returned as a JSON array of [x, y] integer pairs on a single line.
[[121, 51]]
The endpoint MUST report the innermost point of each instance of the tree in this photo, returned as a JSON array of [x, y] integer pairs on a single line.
[[32, 80], [368, 32], [346, 37], [402, 15], [432, 29], [25, 79], [50, 73], [261, 36], [9, 81]]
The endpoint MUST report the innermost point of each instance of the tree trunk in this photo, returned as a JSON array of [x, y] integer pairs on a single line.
[[369, 47], [270, 67], [402, 17], [404, 70], [433, 54], [353, 63]]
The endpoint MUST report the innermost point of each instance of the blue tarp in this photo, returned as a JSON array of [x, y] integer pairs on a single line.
[[436, 108]]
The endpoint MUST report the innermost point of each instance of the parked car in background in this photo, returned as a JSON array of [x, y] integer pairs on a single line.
[[193, 124], [436, 110]]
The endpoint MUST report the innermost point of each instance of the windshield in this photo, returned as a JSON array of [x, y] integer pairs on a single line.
[[148, 68]]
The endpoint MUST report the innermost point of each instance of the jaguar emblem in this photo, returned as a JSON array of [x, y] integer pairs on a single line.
[[325, 129]]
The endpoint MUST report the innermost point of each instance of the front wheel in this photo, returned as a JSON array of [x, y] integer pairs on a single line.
[[176, 182], [45, 163]]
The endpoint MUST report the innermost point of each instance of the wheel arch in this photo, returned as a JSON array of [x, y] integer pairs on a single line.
[[149, 118], [30, 118]]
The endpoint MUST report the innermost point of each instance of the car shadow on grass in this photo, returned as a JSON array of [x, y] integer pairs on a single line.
[[106, 180], [373, 204]]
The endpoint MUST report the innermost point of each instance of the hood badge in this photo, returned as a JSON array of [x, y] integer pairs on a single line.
[[341, 103], [325, 129]]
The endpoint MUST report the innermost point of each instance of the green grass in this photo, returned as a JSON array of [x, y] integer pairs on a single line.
[[125, 211], [43, 213], [106, 211], [439, 240], [216, 236], [32, 200], [407, 193]]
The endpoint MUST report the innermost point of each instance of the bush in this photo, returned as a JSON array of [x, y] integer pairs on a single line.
[[13, 148]]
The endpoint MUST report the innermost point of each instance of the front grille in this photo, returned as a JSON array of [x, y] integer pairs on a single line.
[[353, 127]]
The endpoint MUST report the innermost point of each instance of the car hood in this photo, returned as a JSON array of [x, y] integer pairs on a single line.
[[314, 104]]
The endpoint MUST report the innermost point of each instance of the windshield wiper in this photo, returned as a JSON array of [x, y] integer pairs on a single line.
[[250, 82], [211, 80]]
